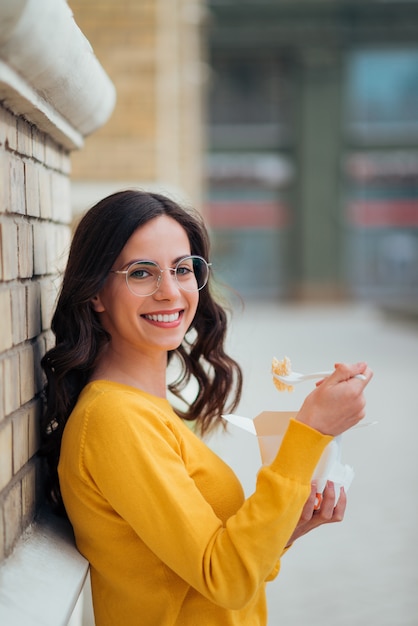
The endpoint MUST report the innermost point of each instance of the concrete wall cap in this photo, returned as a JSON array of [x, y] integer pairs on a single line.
[[53, 63], [42, 579]]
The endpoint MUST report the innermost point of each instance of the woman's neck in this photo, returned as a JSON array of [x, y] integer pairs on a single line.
[[145, 372]]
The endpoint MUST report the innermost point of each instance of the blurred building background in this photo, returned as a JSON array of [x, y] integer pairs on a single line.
[[313, 147], [293, 124]]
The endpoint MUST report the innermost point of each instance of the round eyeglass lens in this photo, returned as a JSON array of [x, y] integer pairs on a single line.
[[192, 273], [144, 277]]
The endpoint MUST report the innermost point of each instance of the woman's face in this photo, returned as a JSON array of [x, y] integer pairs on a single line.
[[136, 322]]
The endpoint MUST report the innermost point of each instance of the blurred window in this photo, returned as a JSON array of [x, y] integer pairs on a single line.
[[247, 90], [250, 169], [250, 102], [382, 95], [380, 169]]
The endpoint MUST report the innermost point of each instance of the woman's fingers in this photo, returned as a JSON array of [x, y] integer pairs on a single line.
[[339, 402], [328, 513], [344, 372], [309, 507], [340, 507], [329, 510]]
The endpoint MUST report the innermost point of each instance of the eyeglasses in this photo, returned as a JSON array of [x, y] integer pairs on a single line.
[[143, 278]]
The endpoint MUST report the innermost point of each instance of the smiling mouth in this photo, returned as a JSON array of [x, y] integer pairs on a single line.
[[172, 317]]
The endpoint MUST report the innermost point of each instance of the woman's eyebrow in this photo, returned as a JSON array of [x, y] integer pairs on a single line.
[[148, 260], [183, 256], [132, 261]]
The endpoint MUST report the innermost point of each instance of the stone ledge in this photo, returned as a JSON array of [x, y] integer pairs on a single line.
[[49, 73], [41, 581]]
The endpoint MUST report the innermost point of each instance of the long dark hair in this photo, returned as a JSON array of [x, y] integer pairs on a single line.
[[79, 337]]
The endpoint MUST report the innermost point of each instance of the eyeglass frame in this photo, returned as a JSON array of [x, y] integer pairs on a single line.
[[164, 269]]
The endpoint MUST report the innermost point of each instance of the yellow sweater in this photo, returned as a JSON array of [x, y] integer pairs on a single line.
[[163, 520]]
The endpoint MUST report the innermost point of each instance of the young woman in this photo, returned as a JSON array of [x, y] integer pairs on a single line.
[[170, 538]]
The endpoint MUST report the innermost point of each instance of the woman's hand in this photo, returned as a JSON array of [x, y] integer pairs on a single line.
[[328, 513], [337, 403]]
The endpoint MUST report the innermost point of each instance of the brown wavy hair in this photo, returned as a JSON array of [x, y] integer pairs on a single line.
[[79, 336]]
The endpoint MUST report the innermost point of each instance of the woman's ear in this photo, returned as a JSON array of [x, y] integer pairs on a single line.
[[97, 304]]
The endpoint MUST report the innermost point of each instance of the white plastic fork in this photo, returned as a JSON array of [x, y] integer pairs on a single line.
[[295, 377]]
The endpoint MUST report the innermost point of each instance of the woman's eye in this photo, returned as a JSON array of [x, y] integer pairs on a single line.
[[184, 270], [140, 273]]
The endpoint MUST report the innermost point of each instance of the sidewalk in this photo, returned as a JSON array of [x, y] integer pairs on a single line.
[[364, 570]]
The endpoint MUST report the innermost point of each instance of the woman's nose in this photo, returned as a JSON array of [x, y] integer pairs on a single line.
[[168, 285]]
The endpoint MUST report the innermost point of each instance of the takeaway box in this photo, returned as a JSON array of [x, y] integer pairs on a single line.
[[269, 428]]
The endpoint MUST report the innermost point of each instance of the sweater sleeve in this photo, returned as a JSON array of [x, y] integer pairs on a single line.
[[141, 473]]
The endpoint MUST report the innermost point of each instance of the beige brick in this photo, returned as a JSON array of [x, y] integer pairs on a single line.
[[43, 340], [53, 248], [11, 383], [49, 292], [6, 468], [62, 246], [32, 189], [17, 186], [4, 122], [8, 250], [25, 247], [4, 181], [61, 198], [2, 547], [40, 234], [65, 163], [29, 494], [12, 517], [52, 154], [11, 131], [27, 373], [34, 416], [24, 137], [6, 335], [33, 309], [49, 340], [18, 301], [2, 385], [20, 435], [38, 353], [38, 145], [45, 193]]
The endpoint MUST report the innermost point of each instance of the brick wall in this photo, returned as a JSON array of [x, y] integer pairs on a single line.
[[34, 236]]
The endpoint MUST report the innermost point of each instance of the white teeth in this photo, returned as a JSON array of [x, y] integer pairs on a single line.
[[163, 318]]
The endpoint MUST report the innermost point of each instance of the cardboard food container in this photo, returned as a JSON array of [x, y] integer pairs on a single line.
[[270, 426]]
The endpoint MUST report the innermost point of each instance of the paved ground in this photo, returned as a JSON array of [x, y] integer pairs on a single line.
[[365, 570]]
